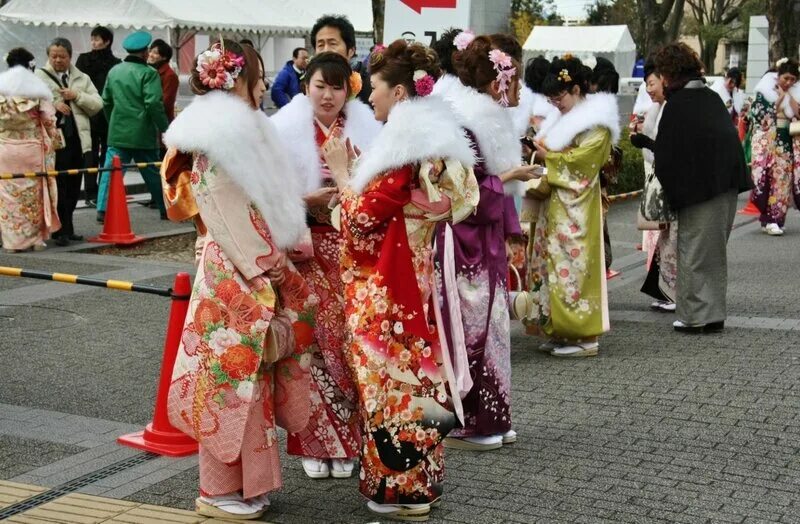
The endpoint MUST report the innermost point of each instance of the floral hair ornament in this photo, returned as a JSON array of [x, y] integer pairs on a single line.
[[781, 61], [505, 73], [218, 67], [463, 39], [356, 84], [423, 82], [564, 77]]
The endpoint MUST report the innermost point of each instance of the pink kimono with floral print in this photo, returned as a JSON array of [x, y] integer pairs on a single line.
[[242, 366]]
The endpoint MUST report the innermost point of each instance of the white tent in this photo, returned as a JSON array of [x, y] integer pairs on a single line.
[[33, 23], [613, 42]]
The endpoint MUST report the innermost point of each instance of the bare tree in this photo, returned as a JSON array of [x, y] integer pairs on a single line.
[[713, 20], [658, 23], [784, 28], [378, 10]]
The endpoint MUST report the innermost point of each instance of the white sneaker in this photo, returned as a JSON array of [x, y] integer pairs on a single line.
[[408, 512], [315, 468], [549, 346], [260, 502], [230, 506], [477, 443], [509, 437], [663, 305], [576, 350], [341, 468], [773, 230]]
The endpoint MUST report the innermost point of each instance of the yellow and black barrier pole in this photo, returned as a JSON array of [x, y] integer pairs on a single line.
[[119, 285], [68, 172]]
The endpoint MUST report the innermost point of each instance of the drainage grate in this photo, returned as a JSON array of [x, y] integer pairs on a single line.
[[75, 484]]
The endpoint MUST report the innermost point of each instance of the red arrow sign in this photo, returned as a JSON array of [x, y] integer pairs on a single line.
[[417, 5]]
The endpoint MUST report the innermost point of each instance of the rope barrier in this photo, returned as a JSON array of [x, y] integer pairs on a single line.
[[625, 196], [119, 285], [87, 170]]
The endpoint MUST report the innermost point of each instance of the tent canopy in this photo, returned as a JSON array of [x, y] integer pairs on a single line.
[[613, 42], [270, 17]]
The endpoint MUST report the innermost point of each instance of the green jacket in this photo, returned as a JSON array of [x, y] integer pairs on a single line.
[[133, 105]]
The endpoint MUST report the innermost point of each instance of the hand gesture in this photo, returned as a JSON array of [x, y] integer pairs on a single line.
[[337, 154], [525, 173], [320, 197], [277, 274], [68, 94], [63, 108]]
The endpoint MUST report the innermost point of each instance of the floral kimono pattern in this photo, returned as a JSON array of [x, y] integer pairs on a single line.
[[775, 164], [332, 430], [569, 288], [393, 348], [242, 366], [28, 205]]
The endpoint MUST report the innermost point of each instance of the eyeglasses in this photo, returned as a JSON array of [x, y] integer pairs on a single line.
[[557, 100]]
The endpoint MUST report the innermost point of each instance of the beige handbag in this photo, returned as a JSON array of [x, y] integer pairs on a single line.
[[642, 224], [794, 128]]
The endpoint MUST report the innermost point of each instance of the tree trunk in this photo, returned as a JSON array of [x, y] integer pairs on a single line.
[[378, 9], [708, 54], [784, 28], [658, 23]]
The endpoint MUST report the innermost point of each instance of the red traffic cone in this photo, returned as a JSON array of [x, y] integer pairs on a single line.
[[749, 209], [160, 436], [117, 225]]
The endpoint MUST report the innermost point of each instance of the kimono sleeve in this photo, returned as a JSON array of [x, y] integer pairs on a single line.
[[577, 167], [381, 200], [233, 221], [450, 190]]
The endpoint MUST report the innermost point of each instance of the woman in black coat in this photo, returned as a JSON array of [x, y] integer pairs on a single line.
[[700, 164]]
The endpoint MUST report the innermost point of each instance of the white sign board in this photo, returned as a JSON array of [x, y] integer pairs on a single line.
[[423, 20]]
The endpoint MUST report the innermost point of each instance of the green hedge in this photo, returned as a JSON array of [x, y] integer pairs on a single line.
[[631, 176]]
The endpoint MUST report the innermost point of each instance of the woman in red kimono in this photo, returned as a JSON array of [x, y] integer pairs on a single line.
[[330, 442], [417, 172], [242, 366]]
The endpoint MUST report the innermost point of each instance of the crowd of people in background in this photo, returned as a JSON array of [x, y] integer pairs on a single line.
[[353, 249]]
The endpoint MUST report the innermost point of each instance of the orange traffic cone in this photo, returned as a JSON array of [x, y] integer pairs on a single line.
[[160, 436], [117, 225], [749, 209]]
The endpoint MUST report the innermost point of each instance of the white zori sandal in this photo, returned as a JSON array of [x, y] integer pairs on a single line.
[[229, 507], [404, 512], [316, 468], [341, 468]]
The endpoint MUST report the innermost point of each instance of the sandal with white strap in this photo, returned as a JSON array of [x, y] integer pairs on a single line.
[[230, 507], [341, 468], [260, 502], [316, 468], [404, 512]]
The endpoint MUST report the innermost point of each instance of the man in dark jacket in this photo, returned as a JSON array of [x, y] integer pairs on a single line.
[[336, 33], [287, 83], [134, 106], [97, 63]]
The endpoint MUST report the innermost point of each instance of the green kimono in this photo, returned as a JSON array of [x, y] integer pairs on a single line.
[[569, 291]]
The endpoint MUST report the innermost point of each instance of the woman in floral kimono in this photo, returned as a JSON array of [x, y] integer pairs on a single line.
[[660, 245], [242, 365], [476, 299], [417, 172], [775, 154], [27, 126], [330, 442], [571, 302]]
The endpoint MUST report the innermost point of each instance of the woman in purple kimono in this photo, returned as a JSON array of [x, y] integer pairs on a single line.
[[474, 292]]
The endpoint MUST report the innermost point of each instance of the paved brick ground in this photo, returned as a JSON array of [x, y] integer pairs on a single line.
[[661, 427]]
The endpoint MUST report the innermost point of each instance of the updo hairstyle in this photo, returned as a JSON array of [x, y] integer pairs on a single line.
[[251, 72], [334, 67], [565, 73], [396, 64], [790, 66], [473, 66]]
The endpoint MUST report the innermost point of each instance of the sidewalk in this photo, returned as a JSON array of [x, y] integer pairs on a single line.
[[660, 427]]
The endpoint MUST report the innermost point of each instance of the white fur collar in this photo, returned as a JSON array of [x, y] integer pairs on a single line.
[[418, 129], [599, 109], [650, 127], [643, 101], [295, 123], [521, 114], [737, 99], [20, 81], [766, 86], [245, 144], [492, 126], [444, 84]]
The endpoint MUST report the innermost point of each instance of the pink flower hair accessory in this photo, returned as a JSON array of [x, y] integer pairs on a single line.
[[218, 67], [423, 82], [463, 39], [505, 73]]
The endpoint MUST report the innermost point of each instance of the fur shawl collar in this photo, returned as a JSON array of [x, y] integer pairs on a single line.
[[445, 84], [531, 104], [295, 123], [766, 86], [650, 127], [643, 101], [19, 81], [245, 144], [599, 109], [418, 129], [737, 98], [492, 126]]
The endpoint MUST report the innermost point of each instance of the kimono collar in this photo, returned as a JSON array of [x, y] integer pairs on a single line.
[[245, 145], [22, 82], [418, 129], [597, 110], [444, 84], [295, 124]]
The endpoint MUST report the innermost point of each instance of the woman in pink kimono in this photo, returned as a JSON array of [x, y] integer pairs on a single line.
[[27, 126], [331, 440], [242, 367]]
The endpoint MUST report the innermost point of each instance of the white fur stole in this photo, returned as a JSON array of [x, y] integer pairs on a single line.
[[20, 81], [597, 110], [418, 129], [245, 144]]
